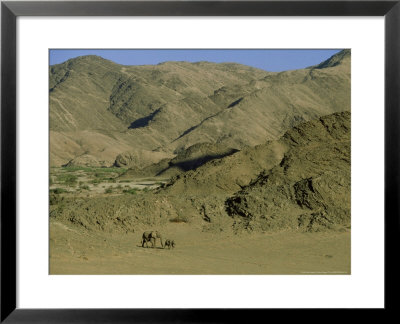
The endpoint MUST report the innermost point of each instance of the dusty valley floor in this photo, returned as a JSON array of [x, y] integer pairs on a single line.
[[83, 252]]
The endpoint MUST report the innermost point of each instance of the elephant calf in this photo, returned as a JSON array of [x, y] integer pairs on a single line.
[[169, 243]]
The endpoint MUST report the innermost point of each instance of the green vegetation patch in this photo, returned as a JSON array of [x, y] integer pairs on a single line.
[[98, 172], [130, 191], [58, 190], [96, 181], [68, 179]]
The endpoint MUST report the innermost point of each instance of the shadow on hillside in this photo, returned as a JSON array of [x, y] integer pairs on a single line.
[[233, 104], [144, 121], [195, 163]]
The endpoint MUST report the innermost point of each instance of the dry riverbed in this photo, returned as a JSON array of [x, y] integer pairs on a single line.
[[86, 181]]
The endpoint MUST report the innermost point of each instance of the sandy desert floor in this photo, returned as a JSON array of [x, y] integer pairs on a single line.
[[83, 252]]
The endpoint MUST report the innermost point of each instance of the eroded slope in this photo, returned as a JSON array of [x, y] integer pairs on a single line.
[[99, 109], [300, 182]]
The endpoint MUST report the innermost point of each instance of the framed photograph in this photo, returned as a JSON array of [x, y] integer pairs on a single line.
[[190, 161]]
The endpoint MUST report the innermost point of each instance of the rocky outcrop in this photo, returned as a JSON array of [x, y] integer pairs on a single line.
[[310, 188]]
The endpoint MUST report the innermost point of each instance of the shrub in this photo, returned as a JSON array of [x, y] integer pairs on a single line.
[[95, 181], [58, 190], [130, 191], [68, 179]]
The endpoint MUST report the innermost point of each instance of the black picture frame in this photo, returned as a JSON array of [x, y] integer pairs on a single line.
[[10, 10]]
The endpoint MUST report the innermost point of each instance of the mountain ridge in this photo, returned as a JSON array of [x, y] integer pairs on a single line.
[[300, 182], [171, 106]]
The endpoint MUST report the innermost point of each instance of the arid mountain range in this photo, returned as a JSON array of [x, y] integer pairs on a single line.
[[161, 117], [248, 171], [299, 182]]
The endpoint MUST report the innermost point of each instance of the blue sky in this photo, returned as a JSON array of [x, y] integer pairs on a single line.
[[269, 60]]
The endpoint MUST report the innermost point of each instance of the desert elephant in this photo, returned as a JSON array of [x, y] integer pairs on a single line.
[[151, 236]]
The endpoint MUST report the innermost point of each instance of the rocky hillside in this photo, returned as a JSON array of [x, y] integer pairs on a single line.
[[310, 188], [299, 182], [103, 113]]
